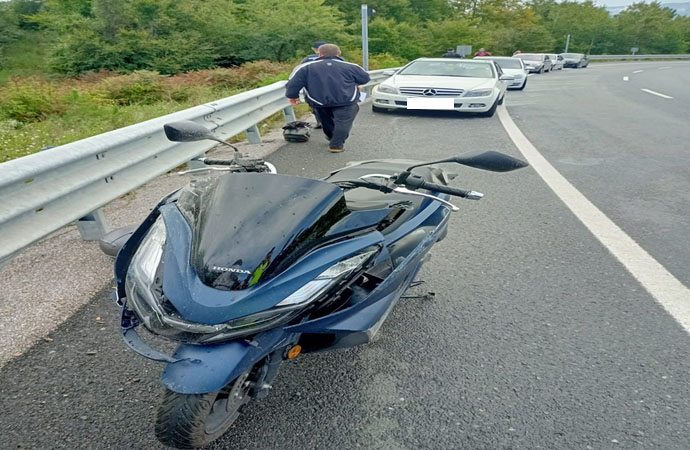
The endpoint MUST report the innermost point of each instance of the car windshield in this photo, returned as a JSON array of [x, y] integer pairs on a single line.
[[508, 63], [529, 57], [449, 69]]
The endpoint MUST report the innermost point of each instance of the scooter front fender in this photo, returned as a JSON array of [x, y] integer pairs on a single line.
[[207, 368]]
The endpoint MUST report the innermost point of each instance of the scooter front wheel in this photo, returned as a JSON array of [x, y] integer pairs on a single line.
[[194, 420]]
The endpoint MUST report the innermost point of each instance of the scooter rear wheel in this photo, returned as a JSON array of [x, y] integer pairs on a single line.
[[194, 420]]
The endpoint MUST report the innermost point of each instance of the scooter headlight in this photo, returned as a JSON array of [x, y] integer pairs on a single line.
[[145, 295], [142, 284], [148, 256], [312, 290]]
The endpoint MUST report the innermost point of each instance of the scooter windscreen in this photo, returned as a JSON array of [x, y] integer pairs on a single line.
[[249, 227]]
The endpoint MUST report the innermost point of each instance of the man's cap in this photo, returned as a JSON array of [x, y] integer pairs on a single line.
[[318, 44]]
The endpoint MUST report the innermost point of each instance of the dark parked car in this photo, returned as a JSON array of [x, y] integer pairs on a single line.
[[577, 60]]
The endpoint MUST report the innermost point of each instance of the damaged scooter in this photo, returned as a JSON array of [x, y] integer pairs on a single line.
[[252, 268]]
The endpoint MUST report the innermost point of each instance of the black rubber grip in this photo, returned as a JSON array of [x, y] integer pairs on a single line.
[[443, 189], [219, 162]]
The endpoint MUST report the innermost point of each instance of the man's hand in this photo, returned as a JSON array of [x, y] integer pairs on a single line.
[[294, 101]]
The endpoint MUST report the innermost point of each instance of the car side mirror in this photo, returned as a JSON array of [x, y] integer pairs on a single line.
[[506, 78]]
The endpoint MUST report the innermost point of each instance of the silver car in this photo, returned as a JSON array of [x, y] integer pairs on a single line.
[[577, 60], [535, 62], [556, 61], [514, 67]]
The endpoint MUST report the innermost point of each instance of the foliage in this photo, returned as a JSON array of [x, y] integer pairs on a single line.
[[28, 100], [131, 60], [174, 36], [282, 29], [649, 27], [35, 113]]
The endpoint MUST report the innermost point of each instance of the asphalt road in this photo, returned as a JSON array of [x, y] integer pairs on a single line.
[[537, 336]]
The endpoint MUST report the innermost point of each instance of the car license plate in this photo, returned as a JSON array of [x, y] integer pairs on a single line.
[[430, 103]]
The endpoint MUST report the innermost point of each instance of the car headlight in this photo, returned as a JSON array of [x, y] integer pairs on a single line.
[[386, 89], [144, 292], [479, 93]]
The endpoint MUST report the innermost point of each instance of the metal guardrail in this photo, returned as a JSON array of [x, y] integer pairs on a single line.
[[623, 57], [43, 192]]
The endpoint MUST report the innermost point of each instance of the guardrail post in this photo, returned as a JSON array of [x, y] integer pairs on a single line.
[[289, 114], [253, 134], [93, 226]]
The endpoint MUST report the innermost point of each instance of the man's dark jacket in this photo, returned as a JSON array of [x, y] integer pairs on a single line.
[[329, 82], [312, 57]]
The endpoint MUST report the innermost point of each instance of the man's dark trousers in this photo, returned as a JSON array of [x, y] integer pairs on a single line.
[[337, 122]]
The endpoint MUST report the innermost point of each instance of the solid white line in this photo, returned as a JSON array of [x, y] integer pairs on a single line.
[[664, 68], [626, 78], [666, 289], [638, 71], [656, 93]]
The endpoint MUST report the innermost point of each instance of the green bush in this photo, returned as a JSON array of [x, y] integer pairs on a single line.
[[141, 87], [29, 100]]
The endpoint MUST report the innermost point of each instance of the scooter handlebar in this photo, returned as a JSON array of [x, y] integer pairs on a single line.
[[218, 162], [419, 183]]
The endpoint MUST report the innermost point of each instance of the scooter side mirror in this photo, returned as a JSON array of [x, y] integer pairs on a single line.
[[187, 131], [491, 160]]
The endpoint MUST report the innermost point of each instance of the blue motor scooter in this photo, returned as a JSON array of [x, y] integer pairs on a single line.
[[252, 268]]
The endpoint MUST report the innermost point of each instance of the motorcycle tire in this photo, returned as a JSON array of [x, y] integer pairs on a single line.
[[194, 420]]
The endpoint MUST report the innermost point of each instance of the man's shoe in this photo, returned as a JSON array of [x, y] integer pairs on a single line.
[[317, 126], [335, 150]]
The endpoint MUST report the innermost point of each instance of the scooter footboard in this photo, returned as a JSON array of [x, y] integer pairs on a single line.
[[207, 368]]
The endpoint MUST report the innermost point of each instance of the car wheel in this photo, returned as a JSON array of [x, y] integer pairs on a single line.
[[500, 102], [541, 70], [376, 109]]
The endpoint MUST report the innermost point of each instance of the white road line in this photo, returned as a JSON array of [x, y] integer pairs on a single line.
[[626, 78], [664, 68], [638, 71], [666, 289], [656, 93]]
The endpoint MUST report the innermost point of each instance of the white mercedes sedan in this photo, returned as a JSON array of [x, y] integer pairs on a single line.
[[464, 85]]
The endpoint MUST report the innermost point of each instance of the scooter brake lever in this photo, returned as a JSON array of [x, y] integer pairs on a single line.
[[201, 169], [404, 190], [376, 175]]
